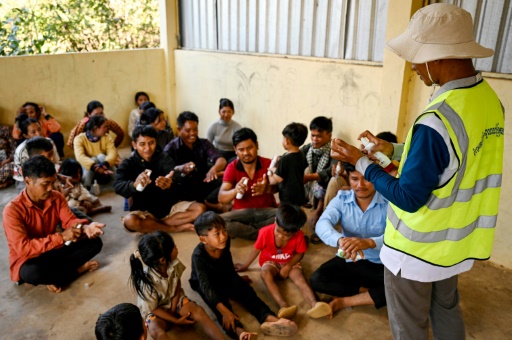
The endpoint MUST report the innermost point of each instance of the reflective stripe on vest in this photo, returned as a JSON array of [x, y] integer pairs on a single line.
[[449, 234], [460, 195]]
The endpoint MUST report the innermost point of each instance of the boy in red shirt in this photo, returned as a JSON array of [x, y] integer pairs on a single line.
[[281, 247]]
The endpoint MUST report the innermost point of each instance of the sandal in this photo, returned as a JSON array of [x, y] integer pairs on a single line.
[[319, 310], [287, 312]]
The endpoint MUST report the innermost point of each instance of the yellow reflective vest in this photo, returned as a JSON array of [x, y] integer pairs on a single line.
[[458, 221]]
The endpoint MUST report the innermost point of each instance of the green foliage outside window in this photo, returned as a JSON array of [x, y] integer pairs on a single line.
[[58, 26]]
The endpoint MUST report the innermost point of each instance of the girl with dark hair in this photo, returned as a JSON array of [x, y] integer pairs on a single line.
[[155, 276], [220, 133], [78, 196], [156, 119], [95, 108], [95, 151], [49, 126], [140, 98]]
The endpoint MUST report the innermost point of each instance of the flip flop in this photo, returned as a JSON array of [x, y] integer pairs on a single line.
[[319, 310], [282, 327], [287, 312]]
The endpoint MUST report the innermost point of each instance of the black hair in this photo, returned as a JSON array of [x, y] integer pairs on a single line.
[[290, 217], [95, 122], [35, 106], [152, 247], [207, 221], [140, 93], [321, 124], [146, 106], [387, 136], [121, 322], [186, 116], [38, 144], [70, 167], [38, 167], [93, 105], [226, 102], [144, 130], [150, 115], [23, 121], [244, 134], [348, 167], [296, 133]]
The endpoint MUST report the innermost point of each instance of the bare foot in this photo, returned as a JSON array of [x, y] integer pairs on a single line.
[[88, 266], [54, 288], [336, 304], [181, 228]]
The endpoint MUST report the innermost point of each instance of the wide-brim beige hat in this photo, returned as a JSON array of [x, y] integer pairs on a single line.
[[438, 31]]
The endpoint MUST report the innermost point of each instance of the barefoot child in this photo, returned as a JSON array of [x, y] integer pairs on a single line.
[[291, 166], [215, 279], [155, 276], [77, 196], [281, 247]]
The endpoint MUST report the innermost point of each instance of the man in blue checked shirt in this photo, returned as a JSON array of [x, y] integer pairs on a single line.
[[362, 214]]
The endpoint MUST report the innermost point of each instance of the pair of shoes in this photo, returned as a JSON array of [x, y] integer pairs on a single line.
[[282, 327], [287, 312], [315, 239], [319, 310]]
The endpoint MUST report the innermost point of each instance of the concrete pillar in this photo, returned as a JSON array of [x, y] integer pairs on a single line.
[[396, 71], [169, 30]]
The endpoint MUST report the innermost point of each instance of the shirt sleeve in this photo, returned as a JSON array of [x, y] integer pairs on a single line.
[[212, 153], [260, 241], [80, 153], [17, 236], [325, 225], [204, 273], [301, 245], [427, 159], [123, 182], [210, 134], [134, 115], [229, 174]]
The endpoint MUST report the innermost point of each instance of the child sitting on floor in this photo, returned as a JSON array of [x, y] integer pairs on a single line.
[[215, 279], [77, 196], [155, 276], [290, 169], [140, 98], [123, 321], [281, 247]]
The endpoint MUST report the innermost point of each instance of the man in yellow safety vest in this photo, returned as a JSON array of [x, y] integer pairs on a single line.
[[444, 200]]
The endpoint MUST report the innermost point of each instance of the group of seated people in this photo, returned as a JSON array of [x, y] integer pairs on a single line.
[[218, 187]]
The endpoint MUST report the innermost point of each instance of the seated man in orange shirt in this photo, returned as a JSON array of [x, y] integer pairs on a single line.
[[38, 254]]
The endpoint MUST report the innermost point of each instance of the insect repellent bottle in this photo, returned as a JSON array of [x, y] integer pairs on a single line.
[[240, 195], [341, 254], [384, 161]]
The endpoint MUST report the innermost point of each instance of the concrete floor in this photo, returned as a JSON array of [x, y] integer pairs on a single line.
[[29, 312]]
